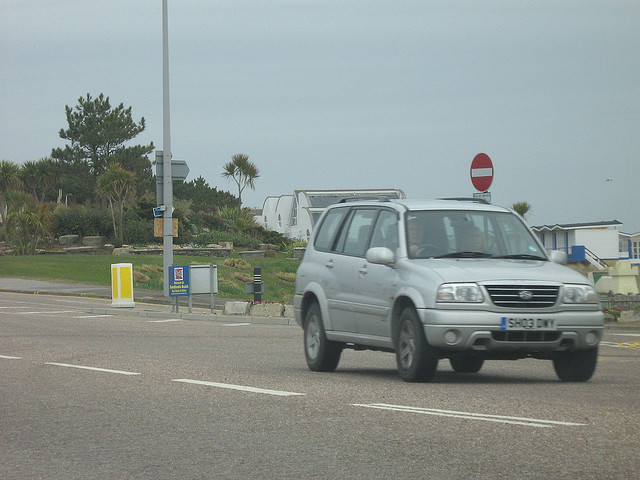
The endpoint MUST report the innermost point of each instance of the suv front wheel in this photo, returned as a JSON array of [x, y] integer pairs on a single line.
[[417, 361], [575, 366], [322, 355]]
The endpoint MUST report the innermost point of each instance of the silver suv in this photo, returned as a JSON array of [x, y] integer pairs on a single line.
[[442, 279]]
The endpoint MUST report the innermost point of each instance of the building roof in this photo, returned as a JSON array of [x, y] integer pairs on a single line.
[[578, 226], [324, 198]]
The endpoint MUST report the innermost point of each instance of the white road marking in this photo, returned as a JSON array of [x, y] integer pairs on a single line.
[[8, 357], [120, 372], [46, 312], [93, 316], [529, 422], [611, 344], [165, 321], [236, 324], [238, 387]]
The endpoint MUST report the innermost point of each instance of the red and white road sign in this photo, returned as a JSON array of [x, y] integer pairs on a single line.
[[482, 172]]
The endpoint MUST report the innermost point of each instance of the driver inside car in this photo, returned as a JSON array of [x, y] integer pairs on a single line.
[[416, 234]]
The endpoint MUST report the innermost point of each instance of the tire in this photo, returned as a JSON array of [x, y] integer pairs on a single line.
[[322, 355], [466, 364], [576, 366], [417, 361]]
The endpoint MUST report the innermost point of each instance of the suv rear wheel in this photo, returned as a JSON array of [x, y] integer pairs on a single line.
[[576, 366], [322, 355], [417, 361]]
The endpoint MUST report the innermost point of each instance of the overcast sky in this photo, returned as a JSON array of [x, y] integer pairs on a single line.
[[326, 94]]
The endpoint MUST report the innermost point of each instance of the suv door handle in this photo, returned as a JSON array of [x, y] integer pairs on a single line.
[[329, 263], [363, 270]]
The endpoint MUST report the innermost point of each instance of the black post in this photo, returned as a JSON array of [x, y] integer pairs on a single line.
[[257, 285]]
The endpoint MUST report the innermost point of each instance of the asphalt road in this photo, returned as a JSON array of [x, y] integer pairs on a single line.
[[94, 396]]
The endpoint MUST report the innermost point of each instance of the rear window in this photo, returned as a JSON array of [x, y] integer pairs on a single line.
[[329, 227]]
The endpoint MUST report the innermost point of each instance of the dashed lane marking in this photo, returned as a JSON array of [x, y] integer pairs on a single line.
[[242, 388], [95, 369], [46, 312]]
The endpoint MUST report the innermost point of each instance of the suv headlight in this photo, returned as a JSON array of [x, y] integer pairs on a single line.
[[459, 292], [579, 294]]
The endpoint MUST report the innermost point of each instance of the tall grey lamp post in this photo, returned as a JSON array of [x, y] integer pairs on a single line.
[[167, 251]]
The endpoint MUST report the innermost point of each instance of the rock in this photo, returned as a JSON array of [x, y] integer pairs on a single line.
[[236, 308], [267, 310], [93, 241], [288, 311], [251, 253], [70, 240], [629, 316]]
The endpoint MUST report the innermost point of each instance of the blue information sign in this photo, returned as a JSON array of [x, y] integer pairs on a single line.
[[179, 280]]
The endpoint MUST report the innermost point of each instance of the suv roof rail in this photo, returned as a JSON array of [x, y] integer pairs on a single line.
[[467, 199], [359, 199]]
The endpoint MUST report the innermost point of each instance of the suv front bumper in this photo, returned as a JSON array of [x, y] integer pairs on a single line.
[[461, 330]]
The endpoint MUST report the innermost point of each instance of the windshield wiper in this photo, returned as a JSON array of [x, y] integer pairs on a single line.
[[522, 256], [465, 255]]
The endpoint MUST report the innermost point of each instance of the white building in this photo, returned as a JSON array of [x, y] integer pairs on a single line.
[[629, 246], [295, 215], [594, 242]]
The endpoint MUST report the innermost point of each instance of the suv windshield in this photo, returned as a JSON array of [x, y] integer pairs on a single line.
[[469, 234]]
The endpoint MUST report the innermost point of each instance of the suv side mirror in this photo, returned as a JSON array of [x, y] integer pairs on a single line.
[[558, 256], [381, 255]]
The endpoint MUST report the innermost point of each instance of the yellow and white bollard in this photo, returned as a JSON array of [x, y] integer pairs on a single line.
[[122, 285]]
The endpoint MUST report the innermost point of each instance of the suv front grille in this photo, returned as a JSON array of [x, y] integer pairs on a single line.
[[526, 336], [518, 296]]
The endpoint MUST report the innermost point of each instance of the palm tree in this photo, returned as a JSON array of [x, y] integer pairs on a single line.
[[238, 220], [243, 172], [116, 184], [39, 177], [521, 208], [28, 223], [9, 180]]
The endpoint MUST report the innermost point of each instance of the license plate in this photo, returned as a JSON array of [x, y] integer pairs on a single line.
[[527, 323]]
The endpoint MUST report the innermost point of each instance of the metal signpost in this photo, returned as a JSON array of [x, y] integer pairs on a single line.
[[167, 169], [179, 283], [179, 171], [482, 176], [167, 200]]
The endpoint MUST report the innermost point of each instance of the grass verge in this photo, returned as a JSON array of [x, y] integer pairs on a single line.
[[278, 272]]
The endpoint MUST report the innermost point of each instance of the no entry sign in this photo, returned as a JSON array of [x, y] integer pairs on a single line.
[[482, 172]]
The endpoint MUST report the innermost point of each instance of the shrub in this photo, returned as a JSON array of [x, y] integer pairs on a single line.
[[82, 221], [236, 263], [138, 231], [275, 238]]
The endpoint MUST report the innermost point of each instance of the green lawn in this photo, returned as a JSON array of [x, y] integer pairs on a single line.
[[278, 273]]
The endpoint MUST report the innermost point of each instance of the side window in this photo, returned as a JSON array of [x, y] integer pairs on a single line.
[[329, 227], [355, 238], [385, 232]]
